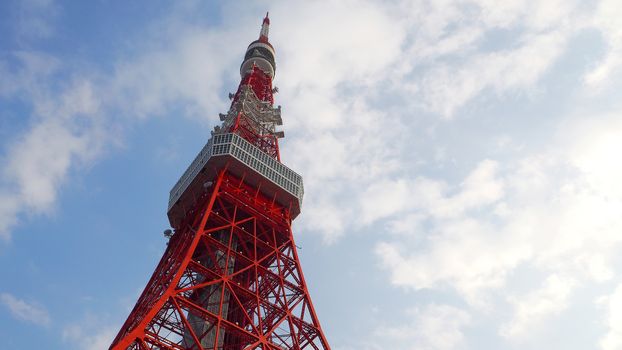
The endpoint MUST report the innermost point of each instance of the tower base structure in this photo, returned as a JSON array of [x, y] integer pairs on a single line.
[[230, 279]]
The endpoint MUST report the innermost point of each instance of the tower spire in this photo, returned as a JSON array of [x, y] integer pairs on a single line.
[[259, 65], [265, 28]]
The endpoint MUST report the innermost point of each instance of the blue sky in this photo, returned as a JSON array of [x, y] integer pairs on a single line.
[[460, 159]]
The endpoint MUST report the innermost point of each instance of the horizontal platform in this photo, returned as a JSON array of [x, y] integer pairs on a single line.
[[242, 159]]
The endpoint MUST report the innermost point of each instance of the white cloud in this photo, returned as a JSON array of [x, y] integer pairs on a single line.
[[597, 143], [66, 131], [9, 207], [25, 311], [454, 56], [434, 49], [433, 327], [429, 327], [35, 19], [387, 198], [465, 255], [531, 311], [446, 87], [89, 338], [607, 21], [556, 213], [613, 320], [183, 66], [72, 123], [440, 60], [354, 42]]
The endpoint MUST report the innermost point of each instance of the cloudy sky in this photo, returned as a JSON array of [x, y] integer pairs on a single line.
[[461, 162]]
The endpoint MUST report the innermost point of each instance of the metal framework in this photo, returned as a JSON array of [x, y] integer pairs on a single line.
[[230, 278]]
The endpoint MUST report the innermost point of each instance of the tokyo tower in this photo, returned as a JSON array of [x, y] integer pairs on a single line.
[[230, 277]]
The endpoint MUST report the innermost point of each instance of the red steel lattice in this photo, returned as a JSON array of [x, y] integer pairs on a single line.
[[230, 278]]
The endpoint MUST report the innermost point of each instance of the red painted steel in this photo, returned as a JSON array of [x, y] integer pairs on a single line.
[[263, 301], [230, 278], [261, 84]]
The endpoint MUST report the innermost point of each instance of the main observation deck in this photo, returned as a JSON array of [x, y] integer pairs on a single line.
[[242, 158]]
